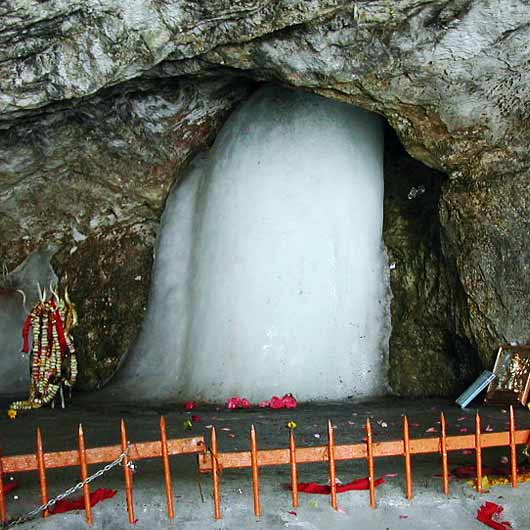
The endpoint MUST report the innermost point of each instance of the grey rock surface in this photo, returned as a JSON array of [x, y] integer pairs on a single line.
[[93, 181], [450, 76]]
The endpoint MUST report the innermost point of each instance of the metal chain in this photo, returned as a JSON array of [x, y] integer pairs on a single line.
[[34, 513]]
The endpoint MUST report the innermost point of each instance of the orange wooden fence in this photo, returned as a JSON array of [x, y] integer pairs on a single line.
[[83, 457], [214, 462]]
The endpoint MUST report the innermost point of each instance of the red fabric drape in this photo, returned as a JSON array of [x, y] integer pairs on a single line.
[[25, 334], [10, 486], [67, 505], [488, 514], [324, 489]]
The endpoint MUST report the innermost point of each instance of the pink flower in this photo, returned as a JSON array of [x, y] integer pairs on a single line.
[[289, 401], [190, 405], [276, 403], [238, 402]]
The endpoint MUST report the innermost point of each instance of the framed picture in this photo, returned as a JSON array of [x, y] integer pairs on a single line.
[[512, 376]]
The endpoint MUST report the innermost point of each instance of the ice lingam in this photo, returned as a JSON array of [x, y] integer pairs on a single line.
[[270, 271]]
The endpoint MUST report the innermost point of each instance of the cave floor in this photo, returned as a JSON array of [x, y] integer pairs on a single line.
[[194, 505]]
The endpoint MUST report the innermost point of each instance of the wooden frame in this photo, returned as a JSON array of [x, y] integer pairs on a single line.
[[512, 382]]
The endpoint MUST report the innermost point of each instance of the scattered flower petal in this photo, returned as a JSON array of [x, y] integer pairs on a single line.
[[288, 401], [195, 418], [238, 402], [190, 405], [431, 429]]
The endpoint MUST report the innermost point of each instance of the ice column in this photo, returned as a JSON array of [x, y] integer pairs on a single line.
[[284, 285]]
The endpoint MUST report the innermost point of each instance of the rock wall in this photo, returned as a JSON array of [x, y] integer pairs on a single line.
[[93, 181], [101, 104]]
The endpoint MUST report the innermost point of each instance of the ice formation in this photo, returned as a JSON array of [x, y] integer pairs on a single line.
[[270, 273]]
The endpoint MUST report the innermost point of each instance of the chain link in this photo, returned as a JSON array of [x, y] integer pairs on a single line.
[[34, 513]]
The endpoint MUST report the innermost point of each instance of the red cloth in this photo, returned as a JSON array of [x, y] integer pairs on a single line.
[[488, 514], [470, 471], [25, 334], [359, 484], [10, 486], [60, 332], [67, 505]]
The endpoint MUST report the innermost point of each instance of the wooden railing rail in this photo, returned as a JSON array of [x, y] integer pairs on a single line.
[[82, 457], [213, 461]]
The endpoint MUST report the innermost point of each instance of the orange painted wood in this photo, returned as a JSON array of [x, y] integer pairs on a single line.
[[41, 466], [513, 449], [3, 509], [255, 471], [478, 453], [306, 455], [167, 468], [103, 455], [271, 457], [215, 475], [332, 468], [294, 469], [127, 473], [84, 474], [443, 450], [406, 454], [371, 463]]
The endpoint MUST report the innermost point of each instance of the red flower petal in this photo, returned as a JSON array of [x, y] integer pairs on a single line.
[[488, 514]]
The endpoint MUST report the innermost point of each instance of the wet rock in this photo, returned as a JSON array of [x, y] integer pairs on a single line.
[[429, 354], [109, 276], [93, 180]]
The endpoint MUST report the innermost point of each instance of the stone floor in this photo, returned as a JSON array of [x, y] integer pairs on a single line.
[[194, 506]]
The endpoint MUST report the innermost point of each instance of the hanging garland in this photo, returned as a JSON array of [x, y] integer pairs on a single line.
[[53, 360]]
